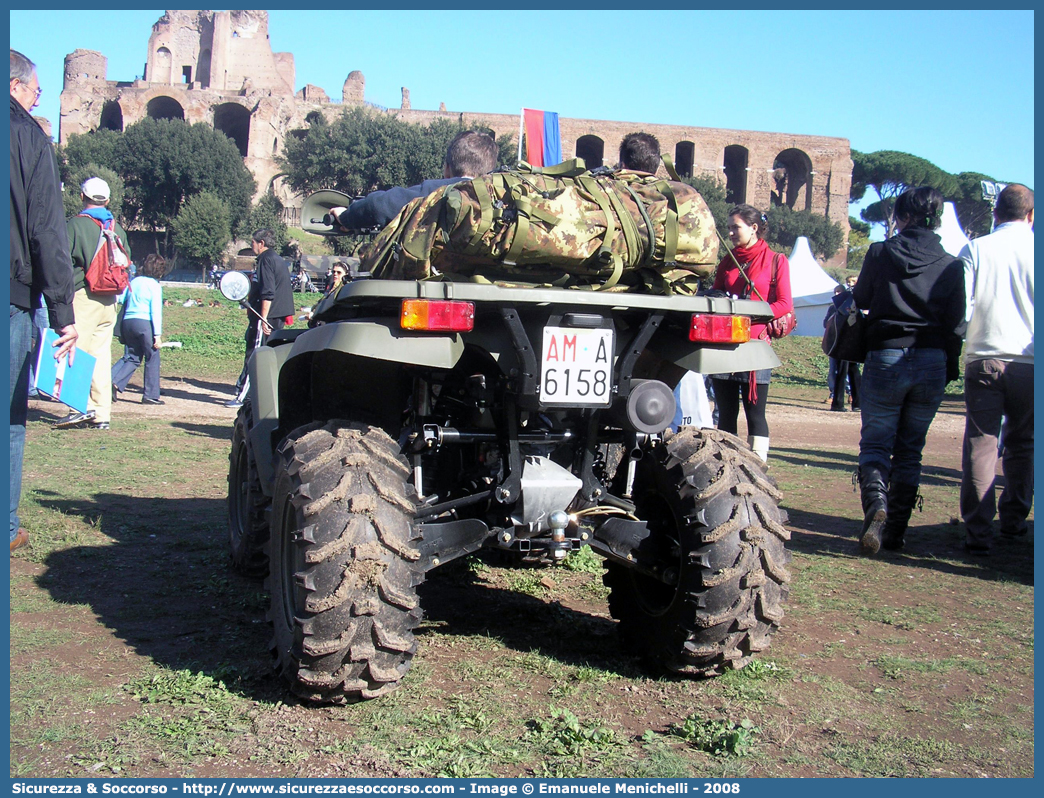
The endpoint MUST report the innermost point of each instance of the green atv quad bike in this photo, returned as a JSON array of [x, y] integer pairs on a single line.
[[416, 422]]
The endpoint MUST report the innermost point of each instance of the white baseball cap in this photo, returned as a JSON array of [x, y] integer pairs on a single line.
[[96, 189]]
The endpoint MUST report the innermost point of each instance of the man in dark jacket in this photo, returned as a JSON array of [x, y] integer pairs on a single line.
[[40, 263], [469, 155], [271, 301]]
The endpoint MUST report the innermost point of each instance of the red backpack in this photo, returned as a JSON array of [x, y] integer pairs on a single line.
[[107, 272]]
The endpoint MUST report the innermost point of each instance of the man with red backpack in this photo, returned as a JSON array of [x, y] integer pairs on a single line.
[[100, 256]]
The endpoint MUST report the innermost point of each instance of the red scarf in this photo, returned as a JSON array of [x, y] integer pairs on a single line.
[[756, 261]]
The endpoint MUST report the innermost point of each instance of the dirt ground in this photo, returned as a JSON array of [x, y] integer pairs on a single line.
[[921, 602]]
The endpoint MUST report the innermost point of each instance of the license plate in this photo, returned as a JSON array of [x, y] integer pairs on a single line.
[[576, 366]]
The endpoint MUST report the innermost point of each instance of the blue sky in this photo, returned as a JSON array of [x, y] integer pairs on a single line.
[[954, 87]]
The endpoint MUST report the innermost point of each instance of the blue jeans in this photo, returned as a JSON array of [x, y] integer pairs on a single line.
[[21, 344], [138, 336], [902, 390], [40, 323]]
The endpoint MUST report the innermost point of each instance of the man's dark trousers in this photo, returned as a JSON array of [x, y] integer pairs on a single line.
[[992, 389]]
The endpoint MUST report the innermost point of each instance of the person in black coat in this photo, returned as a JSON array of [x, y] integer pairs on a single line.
[[913, 292], [40, 261], [271, 302]]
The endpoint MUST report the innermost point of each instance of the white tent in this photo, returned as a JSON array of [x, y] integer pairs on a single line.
[[953, 237], [811, 287]]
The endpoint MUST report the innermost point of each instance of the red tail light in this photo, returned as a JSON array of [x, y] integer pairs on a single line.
[[708, 329], [441, 315]]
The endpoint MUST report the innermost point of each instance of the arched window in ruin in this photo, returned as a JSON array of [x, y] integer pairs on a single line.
[[685, 158], [233, 120], [792, 180], [591, 149], [111, 117], [164, 108], [203, 69], [162, 65], [736, 158]]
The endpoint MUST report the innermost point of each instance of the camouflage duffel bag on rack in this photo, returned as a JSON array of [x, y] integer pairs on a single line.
[[563, 225]]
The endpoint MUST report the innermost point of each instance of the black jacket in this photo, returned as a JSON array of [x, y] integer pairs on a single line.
[[272, 282], [380, 207], [914, 292], [40, 261]]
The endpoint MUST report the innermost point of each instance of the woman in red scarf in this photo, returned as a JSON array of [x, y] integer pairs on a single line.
[[747, 229]]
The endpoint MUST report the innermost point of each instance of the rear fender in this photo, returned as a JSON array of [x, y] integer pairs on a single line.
[[716, 358], [382, 339], [342, 369]]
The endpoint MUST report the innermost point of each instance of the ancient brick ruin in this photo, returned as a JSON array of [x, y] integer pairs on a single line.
[[218, 67]]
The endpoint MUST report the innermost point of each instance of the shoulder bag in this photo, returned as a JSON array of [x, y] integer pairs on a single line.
[[844, 337], [781, 326]]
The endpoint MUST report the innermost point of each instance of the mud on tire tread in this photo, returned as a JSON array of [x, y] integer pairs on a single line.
[[728, 539], [247, 504], [343, 572]]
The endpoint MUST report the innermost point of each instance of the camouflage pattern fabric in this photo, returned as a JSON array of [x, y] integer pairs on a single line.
[[561, 226]]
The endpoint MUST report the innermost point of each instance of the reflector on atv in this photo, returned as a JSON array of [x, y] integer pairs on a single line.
[[444, 315], [709, 329]]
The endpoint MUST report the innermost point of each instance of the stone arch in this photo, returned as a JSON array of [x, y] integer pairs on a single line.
[[685, 158], [792, 179], [203, 69], [287, 198], [735, 165], [164, 107], [592, 149], [161, 69], [111, 117], [233, 120]]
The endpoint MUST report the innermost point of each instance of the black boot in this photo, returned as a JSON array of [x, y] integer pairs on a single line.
[[874, 494], [902, 498]]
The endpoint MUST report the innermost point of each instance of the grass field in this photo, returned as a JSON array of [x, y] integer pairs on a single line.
[[137, 652]]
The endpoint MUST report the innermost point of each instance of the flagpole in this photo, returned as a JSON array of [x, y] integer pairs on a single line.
[[521, 129]]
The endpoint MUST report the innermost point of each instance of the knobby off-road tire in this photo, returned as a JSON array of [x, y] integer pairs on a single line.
[[715, 521], [343, 572], [247, 504]]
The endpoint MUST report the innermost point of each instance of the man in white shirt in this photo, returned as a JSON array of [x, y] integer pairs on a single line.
[[998, 372]]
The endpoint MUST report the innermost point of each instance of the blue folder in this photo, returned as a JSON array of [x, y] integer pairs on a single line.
[[59, 380]]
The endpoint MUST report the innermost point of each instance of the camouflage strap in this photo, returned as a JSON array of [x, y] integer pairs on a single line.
[[571, 168], [523, 205], [670, 222], [482, 186], [605, 253], [650, 231], [627, 225], [668, 164]]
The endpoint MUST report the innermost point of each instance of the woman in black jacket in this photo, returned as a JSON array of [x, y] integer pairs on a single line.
[[913, 292]]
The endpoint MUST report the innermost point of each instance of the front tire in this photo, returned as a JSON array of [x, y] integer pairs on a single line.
[[247, 504], [717, 536], [343, 570]]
